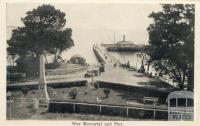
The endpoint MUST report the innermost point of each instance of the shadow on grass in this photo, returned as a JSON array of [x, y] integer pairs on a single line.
[[138, 95], [139, 75], [130, 96], [156, 84]]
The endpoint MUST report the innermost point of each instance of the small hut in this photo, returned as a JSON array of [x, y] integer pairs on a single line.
[[78, 59]]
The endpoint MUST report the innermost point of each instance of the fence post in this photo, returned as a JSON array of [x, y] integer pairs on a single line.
[[36, 104], [127, 111], [154, 113], [74, 107], [10, 110], [100, 108]]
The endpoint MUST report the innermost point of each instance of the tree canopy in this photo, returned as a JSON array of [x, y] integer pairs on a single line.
[[171, 39], [43, 32]]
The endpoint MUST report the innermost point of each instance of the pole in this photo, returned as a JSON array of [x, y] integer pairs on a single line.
[[10, 110], [74, 109], [154, 113]]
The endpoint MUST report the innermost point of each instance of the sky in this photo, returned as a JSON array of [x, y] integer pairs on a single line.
[[94, 23]]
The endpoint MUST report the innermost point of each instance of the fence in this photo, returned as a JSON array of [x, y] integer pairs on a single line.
[[26, 108], [98, 55], [87, 108], [20, 108]]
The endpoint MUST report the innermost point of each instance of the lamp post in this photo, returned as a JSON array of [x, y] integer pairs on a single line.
[[10, 101]]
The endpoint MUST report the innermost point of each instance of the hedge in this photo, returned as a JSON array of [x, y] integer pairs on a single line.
[[114, 111], [53, 85]]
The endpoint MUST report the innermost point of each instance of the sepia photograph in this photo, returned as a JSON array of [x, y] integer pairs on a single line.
[[100, 61]]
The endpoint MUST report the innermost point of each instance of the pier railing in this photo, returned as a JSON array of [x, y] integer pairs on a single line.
[[98, 54]]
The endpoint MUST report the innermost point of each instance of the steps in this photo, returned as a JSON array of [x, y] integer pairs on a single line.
[[43, 106]]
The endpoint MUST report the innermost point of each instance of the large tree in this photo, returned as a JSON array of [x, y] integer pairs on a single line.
[[43, 33], [171, 39]]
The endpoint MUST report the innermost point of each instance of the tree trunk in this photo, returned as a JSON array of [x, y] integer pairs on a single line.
[[46, 58], [56, 56], [182, 80], [181, 85], [37, 63], [148, 65], [178, 78], [190, 76]]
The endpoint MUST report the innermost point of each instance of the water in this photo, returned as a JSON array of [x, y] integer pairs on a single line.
[[132, 58], [125, 57], [85, 51]]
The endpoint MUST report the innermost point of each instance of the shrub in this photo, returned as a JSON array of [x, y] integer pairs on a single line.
[[96, 86], [73, 93], [25, 90], [52, 65], [8, 94], [106, 92], [142, 69]]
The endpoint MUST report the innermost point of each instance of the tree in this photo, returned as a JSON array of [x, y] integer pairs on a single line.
[[43, 33], [171, 39], [106, 92], [142, 57], [73, 93]]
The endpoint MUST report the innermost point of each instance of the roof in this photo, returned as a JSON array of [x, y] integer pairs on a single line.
[[181, 94], [77, 56], [124, 42]]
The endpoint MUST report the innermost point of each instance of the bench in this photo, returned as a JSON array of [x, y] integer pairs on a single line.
[[132, 68], [154, 100]]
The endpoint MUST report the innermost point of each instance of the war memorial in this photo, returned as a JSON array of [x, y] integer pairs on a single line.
[[115, 88]]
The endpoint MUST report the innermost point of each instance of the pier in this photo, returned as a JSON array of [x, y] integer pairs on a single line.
[[125, 76]]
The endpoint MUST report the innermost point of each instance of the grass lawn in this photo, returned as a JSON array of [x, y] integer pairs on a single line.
[[90, 95]]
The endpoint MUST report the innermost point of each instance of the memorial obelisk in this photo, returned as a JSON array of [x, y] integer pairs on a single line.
[[42, 78]]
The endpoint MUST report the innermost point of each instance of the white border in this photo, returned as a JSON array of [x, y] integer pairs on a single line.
[[68, 123]]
